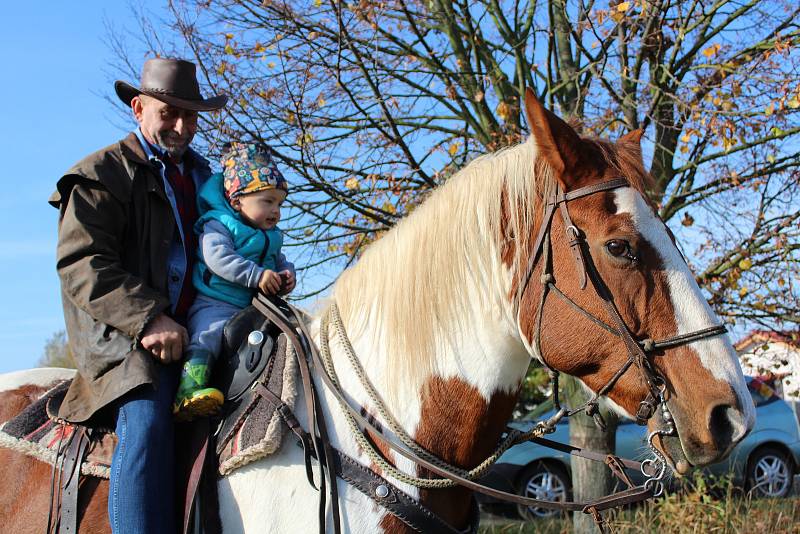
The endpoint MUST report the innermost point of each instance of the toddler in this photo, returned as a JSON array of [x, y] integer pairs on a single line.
[[239, 253]]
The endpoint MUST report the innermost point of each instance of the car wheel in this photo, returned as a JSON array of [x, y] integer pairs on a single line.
[[543, 481], [769, 473]]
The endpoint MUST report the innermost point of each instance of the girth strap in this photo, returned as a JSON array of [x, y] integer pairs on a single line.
[[70, 479]]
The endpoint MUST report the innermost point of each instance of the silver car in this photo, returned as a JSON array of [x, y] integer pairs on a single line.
[[763, 463]]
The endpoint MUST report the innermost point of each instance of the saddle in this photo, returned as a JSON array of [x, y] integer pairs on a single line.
[[254, 351]]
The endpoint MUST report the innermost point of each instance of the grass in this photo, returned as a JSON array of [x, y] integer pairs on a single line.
[[702, 507]]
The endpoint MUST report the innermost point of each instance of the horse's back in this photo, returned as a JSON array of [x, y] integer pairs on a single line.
[[25, 492], [20, 388]]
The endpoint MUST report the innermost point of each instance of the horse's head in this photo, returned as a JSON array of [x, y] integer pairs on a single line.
[[629, 256]]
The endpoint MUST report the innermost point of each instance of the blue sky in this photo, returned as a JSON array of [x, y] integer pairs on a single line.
[[53, 84]]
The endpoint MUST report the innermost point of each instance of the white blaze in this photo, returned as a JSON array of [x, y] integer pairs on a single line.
[[692, 312]]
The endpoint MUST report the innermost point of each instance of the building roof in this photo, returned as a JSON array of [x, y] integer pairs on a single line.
[[791, 339]]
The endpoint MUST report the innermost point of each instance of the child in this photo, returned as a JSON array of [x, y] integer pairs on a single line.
[[239, 253]]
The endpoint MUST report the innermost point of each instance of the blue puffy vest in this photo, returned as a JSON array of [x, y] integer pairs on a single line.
[[260, 246]]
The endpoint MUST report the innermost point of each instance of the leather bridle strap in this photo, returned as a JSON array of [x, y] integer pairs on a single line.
[[321, 443], [556, 198], [637, 350]]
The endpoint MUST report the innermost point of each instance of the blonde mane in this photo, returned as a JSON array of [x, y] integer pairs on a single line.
[[412, 287]]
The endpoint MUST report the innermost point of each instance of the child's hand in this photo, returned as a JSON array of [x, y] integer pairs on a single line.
[[289, 281], [270, 282]]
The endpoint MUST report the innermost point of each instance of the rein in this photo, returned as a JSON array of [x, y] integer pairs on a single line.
[[308, 356], [638, 350]]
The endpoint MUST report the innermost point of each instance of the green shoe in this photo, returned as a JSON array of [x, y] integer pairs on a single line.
[[194, 398]]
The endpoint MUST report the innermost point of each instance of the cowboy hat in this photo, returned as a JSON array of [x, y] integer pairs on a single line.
[[173, 81]]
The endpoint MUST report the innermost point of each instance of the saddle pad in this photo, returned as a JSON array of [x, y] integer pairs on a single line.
[[35, 433], [258, 428]]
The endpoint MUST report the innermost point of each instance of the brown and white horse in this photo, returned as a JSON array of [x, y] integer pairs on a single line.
[[433, 314]]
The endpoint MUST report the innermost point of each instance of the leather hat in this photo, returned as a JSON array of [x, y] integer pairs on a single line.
[[173, 81]]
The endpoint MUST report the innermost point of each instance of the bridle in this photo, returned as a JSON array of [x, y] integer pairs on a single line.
[[638, 350], [317, 445]]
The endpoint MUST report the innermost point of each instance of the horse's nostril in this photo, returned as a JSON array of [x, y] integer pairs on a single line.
[[726, 424]]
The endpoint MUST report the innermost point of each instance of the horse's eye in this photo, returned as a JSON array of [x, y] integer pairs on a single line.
[[619, 248]]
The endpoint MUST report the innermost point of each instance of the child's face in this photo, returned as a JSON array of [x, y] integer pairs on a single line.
[[261, 209]]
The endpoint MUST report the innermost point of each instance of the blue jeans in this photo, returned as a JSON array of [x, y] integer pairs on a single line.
[[141, 496], [207, 318]]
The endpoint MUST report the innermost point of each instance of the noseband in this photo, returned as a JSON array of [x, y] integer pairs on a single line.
[[638, 350]]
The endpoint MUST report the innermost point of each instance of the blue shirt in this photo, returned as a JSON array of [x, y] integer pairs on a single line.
[[176, 260]]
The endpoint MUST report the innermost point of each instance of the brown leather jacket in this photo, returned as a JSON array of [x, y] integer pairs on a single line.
[[114, 233]]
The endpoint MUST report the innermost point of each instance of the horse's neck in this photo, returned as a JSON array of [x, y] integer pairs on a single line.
[[472, 370]]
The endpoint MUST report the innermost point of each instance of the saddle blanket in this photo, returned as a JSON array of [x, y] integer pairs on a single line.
[[255, 429], [36, 432], [252, 428]]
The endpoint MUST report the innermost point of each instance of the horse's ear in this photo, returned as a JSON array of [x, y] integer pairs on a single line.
[[632, 142], [634, 137], [556, 141]]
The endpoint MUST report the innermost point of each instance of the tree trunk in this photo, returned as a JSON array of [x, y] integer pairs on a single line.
[[590, 479]]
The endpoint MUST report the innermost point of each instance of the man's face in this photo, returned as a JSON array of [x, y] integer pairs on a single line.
[[169, 127]]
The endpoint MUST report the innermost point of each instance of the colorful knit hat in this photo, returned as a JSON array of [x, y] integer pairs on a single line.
[[248, 168]]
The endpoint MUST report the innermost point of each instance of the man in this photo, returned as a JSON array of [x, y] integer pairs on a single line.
[[124, 257]]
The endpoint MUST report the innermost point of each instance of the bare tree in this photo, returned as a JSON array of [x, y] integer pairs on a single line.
[[371, 104]]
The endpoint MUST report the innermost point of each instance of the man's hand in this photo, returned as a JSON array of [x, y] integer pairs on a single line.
[[270, 282], [289, 281], [165, 339]]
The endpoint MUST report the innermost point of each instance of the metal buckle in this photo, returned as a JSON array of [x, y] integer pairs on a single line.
[[646, 410]]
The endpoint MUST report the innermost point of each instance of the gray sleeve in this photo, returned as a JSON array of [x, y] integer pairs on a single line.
[[219, 255], [284, 265]]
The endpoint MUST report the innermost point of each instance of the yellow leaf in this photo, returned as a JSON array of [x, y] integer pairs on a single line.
[[305, 139], [388, 207], [453, 148], [351, 183], [771, 158], [221, 68], [794, 103], [228, 49], [318, 3], [769, 110], [745, 264], [743, 292], [711, 50], [271, 65], [503, 110], [623, 6], [228, 36], [259, 48], [320, 101]]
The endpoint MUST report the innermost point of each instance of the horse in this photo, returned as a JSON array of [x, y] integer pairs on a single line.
[[446, 310]]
